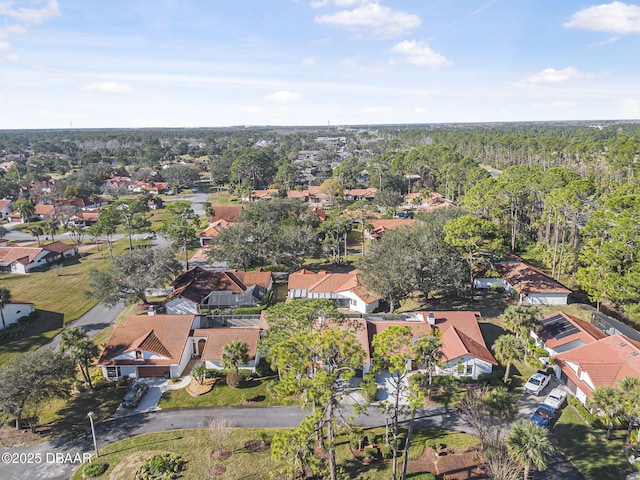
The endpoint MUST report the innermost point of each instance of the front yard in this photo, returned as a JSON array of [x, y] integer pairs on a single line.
[[196, 447], [253, 392]]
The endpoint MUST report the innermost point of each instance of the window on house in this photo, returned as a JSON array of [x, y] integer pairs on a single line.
[[138, 355], [468, 370], [113, 372]]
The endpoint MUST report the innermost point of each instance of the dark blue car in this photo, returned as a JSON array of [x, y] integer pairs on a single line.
[[543, 415]]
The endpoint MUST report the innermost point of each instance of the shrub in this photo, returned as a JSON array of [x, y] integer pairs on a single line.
[[263, 369], [535, 363], [94, 469], [357, 439], [98, 379], [213, 373], [160, 466], [372, 453], [234, 379], [386, 452], [369, 388], [416, 380], [423, 476]]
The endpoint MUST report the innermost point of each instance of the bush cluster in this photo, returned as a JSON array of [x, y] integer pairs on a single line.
[[94, 469], [160, 467], [234, 379], [369, 388]]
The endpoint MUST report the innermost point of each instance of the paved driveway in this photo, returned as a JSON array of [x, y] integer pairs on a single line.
[[149, 403]]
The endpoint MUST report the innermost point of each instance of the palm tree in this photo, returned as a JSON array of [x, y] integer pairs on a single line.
[[608, 402], [507, 349], [520, 320], [5, 298], [630, 390], [37, 232], [25, 208], [51, 227], [234, 353], [81, 350], [530, 445]]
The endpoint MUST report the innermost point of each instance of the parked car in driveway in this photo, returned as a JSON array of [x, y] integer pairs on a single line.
[[556, 398], [134, 395], [543, 415], [537, 382]]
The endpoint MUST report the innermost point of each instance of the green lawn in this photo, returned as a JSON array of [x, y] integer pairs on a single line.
[[254, 390], [587, 448], [195, 446]]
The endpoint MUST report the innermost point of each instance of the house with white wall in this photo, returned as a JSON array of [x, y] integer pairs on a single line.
[[14, 311]]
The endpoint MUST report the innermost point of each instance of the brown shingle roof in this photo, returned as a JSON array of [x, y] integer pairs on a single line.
[[58, 247], [226, 212], [164, 335], [526, 279], [219, 337]]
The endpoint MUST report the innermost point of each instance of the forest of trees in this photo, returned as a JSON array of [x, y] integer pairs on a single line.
[[564, 194]]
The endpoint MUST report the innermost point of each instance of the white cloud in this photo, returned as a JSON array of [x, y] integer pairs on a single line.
[[551, 76], [308, 62], [284, 96], [419, 53], [615, 17], [631, 108], [373, 18], [559, 105], [12, 57], [5, 46], [339, 3], [30, 16], [349, 63], [108, 87]]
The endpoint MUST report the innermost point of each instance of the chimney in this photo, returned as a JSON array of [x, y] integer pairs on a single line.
[[431, 318]]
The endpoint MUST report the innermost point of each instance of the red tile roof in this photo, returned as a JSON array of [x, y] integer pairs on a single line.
[[586, 332], [606, 361], [219, 337], [526, 279], [164, 335], [226, 212], [326, 282]]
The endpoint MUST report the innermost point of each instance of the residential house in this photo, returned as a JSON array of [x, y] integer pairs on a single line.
[[561, 332], [148, 346], [217, 338], [601, 363], [5, 209], [44, 212], [228, 213], [344, 289], [464, 352], [380, 226], [14, 311], [26, 259], [426, 202], [532, 286], [355, 194], [213, 230], [84, 218], [198, 289]]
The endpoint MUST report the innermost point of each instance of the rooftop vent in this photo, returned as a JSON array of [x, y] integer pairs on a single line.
[[431, 318], [623, 344]]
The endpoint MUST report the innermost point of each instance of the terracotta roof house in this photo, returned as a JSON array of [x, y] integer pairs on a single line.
[[256, 195], [44, 212], [213, 230], [426, 203], [380, 226], [84, 218], [464, 351], [533, 286], [5, 208], [14, 311], [345, 289], [596, 364], [198, 289], [148, 346], [228, 213], [26, 259], [561, 332], [217, 338], [353, 194]]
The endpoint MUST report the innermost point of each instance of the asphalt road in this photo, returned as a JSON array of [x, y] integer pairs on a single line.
[[58, 459]]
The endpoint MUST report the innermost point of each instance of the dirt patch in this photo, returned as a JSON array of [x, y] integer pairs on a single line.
[[454, 464], [195, 389], [221, 454], [217, 470], [257, 446], [126, 469], [12, 438]]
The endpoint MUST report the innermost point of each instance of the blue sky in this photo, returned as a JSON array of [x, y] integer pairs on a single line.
[[199, 63]]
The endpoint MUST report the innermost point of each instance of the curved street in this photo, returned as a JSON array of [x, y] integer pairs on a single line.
[[57, 460]]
